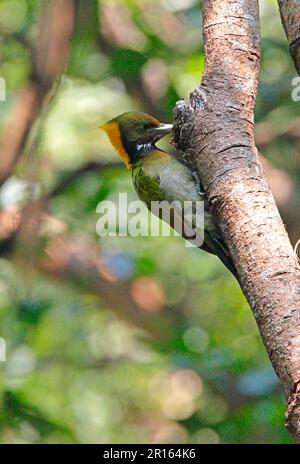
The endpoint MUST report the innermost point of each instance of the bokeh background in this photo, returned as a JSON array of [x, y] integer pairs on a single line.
[[120, 339]]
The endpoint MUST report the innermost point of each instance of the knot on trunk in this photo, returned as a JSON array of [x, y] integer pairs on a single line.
[[185, 118]]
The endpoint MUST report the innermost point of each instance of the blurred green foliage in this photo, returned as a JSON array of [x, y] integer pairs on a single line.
[[77, 370]]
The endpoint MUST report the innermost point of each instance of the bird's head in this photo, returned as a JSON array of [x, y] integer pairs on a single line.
[[133, 133]]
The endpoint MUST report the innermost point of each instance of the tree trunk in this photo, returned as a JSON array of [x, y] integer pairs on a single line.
[[215, 129], [290, 16]]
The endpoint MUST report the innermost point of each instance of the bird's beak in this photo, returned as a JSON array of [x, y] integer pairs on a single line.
[[156, 133], [163, 129]]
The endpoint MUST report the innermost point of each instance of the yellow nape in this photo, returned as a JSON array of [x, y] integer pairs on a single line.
[[113, 131]]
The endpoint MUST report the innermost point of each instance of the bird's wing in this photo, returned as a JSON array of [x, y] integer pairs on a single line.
[[147, 187], [213, 241]]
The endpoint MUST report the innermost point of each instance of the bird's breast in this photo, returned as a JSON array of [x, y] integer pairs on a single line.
[[175, 179]]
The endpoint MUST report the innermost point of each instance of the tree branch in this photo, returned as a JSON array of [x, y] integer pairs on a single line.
[[71, 176], [215, 129], [48, 60], [290, 16]]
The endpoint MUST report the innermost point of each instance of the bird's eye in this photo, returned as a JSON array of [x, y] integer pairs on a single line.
[[146, 126]]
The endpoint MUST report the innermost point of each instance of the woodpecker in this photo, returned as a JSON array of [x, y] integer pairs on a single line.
[[158, 175]]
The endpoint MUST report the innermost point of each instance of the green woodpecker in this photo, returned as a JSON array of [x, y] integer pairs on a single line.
[[159, 176]]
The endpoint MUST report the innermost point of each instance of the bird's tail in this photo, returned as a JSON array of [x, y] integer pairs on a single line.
[[214, 244]]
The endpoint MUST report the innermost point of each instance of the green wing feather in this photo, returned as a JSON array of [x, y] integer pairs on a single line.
[[147, 187]]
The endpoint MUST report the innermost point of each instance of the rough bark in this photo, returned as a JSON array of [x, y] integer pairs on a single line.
[[215, 129], [290, 16]]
